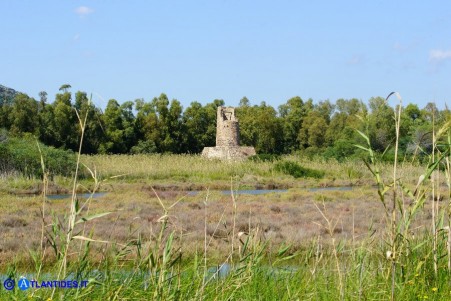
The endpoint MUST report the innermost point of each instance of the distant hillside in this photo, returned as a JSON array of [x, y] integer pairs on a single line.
[[7, 95]]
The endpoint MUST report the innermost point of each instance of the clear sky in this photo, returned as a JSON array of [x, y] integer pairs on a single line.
[[202, 50]]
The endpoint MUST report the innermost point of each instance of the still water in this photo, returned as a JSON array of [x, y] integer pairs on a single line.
[[224, 192]]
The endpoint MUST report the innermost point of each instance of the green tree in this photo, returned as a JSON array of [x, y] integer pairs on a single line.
[[128, 124], [94, 134], [344, 122], [65, 87], [197, 121], [158, 129], [382, 124], [412, 112], [4, 116], [24, 115], [146, 127], [112, 120], [325, 109], [145, 119], [47, 126], [119, 124], [292, 114], [174, 138], [161, 126], [65, 122], [42, 99], [349, 106], [313, 131], [260, 127], [199, 125], [244, 102]]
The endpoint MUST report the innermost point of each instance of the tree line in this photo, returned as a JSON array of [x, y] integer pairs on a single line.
[[163, 126]]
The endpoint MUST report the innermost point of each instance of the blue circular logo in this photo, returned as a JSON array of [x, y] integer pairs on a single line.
[[9, 284], [23, 284]]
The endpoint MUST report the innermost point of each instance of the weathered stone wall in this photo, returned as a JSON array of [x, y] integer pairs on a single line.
[[227, 128], [228, 153]]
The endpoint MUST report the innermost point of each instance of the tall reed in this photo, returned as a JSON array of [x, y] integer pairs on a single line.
[[400, 238]]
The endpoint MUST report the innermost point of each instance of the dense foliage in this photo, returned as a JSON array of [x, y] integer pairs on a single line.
[[163, 126], [24, 156]]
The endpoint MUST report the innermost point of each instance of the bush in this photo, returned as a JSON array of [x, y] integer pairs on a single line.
[[144, 147], [297, 171], [22, 155]]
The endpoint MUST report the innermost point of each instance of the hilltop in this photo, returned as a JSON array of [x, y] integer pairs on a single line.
[[7, 94]]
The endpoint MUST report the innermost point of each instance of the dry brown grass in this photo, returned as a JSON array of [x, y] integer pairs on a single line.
[[292, 217]]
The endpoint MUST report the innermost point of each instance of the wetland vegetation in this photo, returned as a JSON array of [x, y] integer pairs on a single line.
[[327, 242], [149, 238]]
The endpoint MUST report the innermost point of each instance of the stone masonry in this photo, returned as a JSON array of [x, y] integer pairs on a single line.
[[228, 138]]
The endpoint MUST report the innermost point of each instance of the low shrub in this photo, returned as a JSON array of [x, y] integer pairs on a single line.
[[297, 171], [23, 156]]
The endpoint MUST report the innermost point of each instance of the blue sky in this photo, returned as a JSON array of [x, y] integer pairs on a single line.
[[202, 50]]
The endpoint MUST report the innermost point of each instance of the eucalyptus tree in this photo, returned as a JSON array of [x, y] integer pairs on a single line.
[[260, 127], [24, 115], [94, 127], [293, 113], [119, 127], [65, 122]]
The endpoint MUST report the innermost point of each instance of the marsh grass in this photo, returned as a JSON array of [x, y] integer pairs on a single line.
[[405, 202], [192, 172], [306, 270], [173, 240]]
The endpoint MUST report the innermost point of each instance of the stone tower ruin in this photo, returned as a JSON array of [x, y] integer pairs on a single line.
[[227, 138], [227, 127]]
